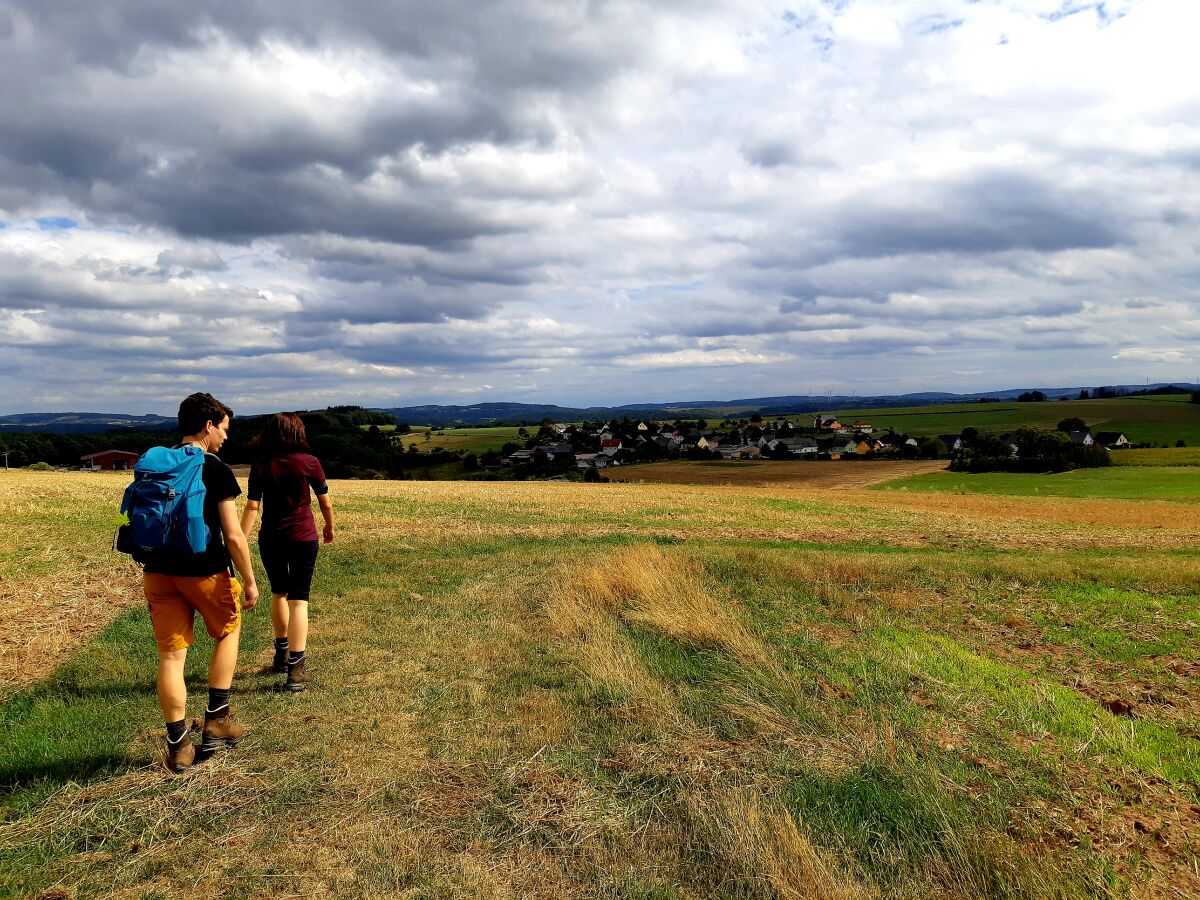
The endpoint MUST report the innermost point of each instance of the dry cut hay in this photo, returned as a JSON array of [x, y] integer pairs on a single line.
[[764, 846], [645, 586]]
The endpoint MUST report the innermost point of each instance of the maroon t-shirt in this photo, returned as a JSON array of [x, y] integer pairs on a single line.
[[282, 483]]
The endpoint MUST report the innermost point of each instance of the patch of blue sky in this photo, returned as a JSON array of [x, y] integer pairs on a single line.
[[55, 223], [936, 23], [1072, 7]]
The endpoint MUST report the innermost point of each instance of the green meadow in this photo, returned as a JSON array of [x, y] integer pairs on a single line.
[[1125, 482], [630, 691], [475, 440], [1155, 420]]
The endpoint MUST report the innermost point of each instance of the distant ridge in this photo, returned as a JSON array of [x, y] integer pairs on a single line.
[[531, 413], [82, 422]]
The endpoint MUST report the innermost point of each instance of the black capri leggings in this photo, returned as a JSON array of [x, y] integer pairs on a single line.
[[289, 566]]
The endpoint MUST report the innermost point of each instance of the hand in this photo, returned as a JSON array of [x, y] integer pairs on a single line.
[[250, 596], [327, 535]]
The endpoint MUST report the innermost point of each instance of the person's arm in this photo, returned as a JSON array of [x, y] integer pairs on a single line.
[[239, 550], [253, 501], [316, 480], [326, 506], [249, 516]]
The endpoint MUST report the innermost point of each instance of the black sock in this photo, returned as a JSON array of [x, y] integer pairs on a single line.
[[218, 702], [280, 644], [176, 731], [295, 656]]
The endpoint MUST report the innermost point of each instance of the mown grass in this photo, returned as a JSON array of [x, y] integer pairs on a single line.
[[650, 691], [1135, 483]]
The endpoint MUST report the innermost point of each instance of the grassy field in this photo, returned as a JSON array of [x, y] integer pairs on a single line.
[[478, 440], [1128, 482], [1158, 420], [630, 691], [1165, 456]]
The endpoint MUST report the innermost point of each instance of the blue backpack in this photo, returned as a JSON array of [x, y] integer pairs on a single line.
[[165, 505]]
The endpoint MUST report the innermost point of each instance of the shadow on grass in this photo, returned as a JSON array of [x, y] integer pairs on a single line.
[[77, 768], [83, 723]]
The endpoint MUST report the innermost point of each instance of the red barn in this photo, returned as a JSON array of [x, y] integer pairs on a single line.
[[108, 460]]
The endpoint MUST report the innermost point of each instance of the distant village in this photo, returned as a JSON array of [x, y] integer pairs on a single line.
[[586, 449], [598, 446]]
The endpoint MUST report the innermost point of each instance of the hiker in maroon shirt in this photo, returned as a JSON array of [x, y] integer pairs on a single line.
[[282, 481]]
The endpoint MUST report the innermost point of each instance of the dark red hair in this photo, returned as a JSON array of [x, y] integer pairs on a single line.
[[284, 433]]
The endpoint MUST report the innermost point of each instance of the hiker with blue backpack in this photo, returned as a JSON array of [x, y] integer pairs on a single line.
[[183, 528]]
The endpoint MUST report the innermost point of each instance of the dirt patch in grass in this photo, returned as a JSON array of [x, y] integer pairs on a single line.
[[60, 580], [819, 474]]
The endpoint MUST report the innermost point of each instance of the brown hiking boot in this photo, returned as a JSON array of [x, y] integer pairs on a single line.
[[296, 680], [182, 753], [221, 732]]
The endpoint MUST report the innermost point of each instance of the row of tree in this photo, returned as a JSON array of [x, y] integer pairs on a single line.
[[336, 437], [1036, 450]]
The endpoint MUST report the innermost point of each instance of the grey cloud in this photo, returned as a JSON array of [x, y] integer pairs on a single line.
[[770, 154], [356, 261], [988, 214], [369, 303], [205, 259], [116, 137]]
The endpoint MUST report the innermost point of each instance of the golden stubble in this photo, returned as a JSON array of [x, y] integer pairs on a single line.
[[644, 586]]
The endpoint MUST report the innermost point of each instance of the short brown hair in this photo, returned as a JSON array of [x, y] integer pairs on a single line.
[[198, 410], [284, 433]]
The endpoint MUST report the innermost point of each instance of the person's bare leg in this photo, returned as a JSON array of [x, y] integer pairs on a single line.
[[280, 614], [224, 660], [172, 689], [297, 633]]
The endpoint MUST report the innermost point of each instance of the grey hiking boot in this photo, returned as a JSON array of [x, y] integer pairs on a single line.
[[297, 680], [279, 663], [182, 753], [221, 732]]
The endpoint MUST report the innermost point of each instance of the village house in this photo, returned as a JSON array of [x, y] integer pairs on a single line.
[[952, 441], [827, 423], [592, 461], [745, 451], [1111, 439], [1083, 438], [109, 460]]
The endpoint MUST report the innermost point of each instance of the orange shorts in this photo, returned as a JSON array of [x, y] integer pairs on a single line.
[[174, 600]]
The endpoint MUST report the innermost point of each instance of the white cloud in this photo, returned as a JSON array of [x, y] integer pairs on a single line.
[[1150, 354]]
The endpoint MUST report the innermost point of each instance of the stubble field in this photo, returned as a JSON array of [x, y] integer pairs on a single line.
[[629, 691]]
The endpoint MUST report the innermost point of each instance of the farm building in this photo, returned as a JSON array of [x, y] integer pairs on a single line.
[[108, 460]]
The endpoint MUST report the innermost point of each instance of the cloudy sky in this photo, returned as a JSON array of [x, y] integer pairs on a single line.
[[387, 202]]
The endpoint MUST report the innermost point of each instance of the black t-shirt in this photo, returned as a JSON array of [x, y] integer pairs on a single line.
[[219, 484]]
